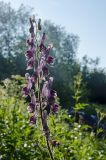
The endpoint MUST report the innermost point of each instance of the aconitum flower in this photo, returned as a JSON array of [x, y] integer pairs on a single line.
[[45, 71], [33, 98], [55, 108], [33, 120], [31, 29], [25, 91], [53, 93], [49, 59], [30, 63], [38, 87], [41, 65], [29, 53], [47, 88], [52, 97], [31, 107]]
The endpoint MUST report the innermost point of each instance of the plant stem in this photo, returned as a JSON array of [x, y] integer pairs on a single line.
[[40, 100], [49, 149]]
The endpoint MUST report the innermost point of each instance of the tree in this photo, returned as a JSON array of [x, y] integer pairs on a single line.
[[97, 85], [12, 39]]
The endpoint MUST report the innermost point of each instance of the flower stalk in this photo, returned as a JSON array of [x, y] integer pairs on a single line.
[[39, 83]]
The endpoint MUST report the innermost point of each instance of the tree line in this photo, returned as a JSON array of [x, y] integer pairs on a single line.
[[13, 35]]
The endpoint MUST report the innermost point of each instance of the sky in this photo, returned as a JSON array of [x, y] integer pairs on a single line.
[[86, 18]]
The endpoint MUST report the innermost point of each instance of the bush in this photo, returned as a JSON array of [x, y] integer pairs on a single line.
[[20, 141]]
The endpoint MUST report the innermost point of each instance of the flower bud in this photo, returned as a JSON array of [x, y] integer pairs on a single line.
[[39, 24]]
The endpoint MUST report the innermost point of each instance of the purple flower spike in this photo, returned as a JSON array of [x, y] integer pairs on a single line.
[[55, 108], [31, 108], [33, 120], [38, 91], [49, 59]]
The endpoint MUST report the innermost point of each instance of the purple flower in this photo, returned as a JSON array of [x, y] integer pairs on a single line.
[[51, 100], [41, 65], [49, 59], [30, 53], [32, 120], [31, 107], [31, 29], [29, 83], [30, 63], [55, 108], [50, 81], [25, 91], [42, 48], [33, 98], [45, 71], [45, 90], [52, 96], [27, 76], [53, 93], [47, 50]]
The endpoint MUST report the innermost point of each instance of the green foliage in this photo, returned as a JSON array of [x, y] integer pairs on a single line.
[[20, 141], [79, 92]]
